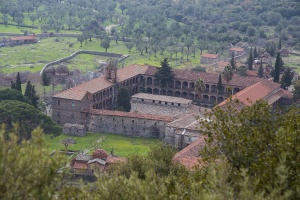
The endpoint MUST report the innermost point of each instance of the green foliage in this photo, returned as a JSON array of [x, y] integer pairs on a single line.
[[227, 74], [255, 139], [261, 70], [278, 66], [242, 70], [27, 171], [255, 53], [287, 77], [164, 74], [12, 94], [296, 91], [29, 117], [105, 44], [232, 62], [220, 85], [199, 87], [30, 93], [17, 85], [123, 103]]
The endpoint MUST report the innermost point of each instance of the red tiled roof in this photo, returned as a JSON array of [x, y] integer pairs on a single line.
[[100, 83], [127, 114], [100, 153], [236, 49], [72, 93], [114, 159], [208, 55], [253, 93], [80, 165], [27, 37], [251, 73], [189, 156]]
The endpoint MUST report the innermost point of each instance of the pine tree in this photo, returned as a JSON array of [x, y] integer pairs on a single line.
[[278, 66], [45, 81], [255, 54], [18, 83], [250, 60], [220, 85], [28, 90], [232, 61], [261, 70], [164, 74]]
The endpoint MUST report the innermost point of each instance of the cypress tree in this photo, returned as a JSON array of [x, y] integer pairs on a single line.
[[286, 79], [261, 70], [18, 83], [250, 60], [45, 81], [164, 74], [278, 65], [123, 102], [255, 54], [30, 93], [28, 90], [279, 44], [232, 62], [220, 85]]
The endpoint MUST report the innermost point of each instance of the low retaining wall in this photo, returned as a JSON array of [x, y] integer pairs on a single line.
[[122, 57]]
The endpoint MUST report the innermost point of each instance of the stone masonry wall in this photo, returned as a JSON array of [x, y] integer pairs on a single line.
[[133, 127], [157, 109]]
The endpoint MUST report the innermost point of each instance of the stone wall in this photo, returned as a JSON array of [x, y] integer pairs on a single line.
[[179, 138], [74, 129], [133, 127], [68, 111], [159, 109]]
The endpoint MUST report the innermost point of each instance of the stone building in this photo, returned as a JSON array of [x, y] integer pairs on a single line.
[[91, 104], [26, 39], [161, 105], [236, 51], [125, 123], [208, 58], [74, 129]]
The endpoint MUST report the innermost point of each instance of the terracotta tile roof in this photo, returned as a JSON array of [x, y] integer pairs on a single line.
[[26, 37], [80, 165], [251, 94], [189, 156], [127, 114], [162, 98], [223, 64], [188, 121], [236, 49], [130, 71], [208, 55], [251, 73], [72, 93]]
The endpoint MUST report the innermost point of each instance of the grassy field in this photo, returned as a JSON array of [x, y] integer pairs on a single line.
[[122, 146], [33, 57]]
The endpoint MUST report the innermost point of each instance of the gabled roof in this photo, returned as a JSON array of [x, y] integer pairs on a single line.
[[97, 160], [26, 37], [265, 89], [209, 55], [161, 98], [73, 93], [83, 157], [190, 155], [127, 114], [236, 49]]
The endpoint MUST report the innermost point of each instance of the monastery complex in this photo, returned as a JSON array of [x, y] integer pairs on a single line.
[[170, 114]]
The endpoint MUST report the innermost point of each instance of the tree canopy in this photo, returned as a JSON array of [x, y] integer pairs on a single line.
[[164, 74], [123, 102], [28, 117]]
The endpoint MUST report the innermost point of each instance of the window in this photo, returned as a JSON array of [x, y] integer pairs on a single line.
[[153, 101], [73, 103], [160, 102], [142, 99], [172, 104], [58, 102], [132, 121], [166, 103], [179, 104]]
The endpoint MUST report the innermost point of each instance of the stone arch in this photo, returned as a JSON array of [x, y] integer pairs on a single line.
[[214, 89], [156, 82], [163, 92], [185, 85], [149, 81], [170, 93], [220, 99], [155, 91], [205, 98], [235, 90], [130, 82], [207, 88], [178, 84], [104, 94], [177, 94], [191, 96], [184, 95], [213, 99], [192, 85], [171, 84], [149, 90]]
